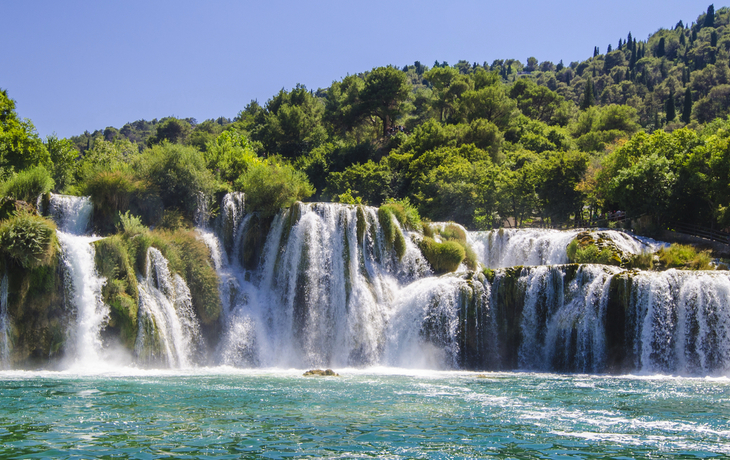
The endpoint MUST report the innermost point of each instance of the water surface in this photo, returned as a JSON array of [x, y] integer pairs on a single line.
[[226, 413]]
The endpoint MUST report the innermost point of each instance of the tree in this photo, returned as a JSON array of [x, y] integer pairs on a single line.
[[20, 145], [63, 155], [588, 99], [687, 111], [710, 17], [385, 95], [669, 106], [645, 187], [172, 130]]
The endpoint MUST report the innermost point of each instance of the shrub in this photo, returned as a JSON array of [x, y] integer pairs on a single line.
[[29, 239], [130, 224], [272, 186], [111, 194], [645, 261], [444, 257], [28, 184], [405, 212], [686, 257], [393, 235], [179, 173], [590, 254]]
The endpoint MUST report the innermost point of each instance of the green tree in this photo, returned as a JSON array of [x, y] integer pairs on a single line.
[[645, 187], [385, 95], [669, 108], [172, 130], [291, 125], [20, 145], [558, 177], [687, 110], [588, 99], [63, 155], [710, 17]]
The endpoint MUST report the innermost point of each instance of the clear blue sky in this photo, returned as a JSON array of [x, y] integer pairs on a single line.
[[83, 65]]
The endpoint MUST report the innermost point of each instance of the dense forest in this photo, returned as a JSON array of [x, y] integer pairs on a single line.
[[641, 128]]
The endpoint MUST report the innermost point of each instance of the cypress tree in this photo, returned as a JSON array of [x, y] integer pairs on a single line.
[[687, 112], [713, 38], [682, 40], [595, 51], [609, 49], [587, 95], [660, 48], [710, 17], [669, 106]]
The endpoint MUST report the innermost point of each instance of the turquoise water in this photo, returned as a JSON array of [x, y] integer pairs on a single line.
[[225, 413]]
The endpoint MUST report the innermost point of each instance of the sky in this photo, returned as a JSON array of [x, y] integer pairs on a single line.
[[73, 66]]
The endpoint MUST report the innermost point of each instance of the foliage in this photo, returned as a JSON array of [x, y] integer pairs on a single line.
[[29, 239], [271, 186], [685, 257], [405, 212], [120, 290], [394, 238], [444, 257], [28, 184], [590, 254], [178, 173], [130, 224], [20, 145]]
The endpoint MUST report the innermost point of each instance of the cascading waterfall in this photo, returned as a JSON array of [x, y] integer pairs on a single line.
[[682, 322], [169, 331], [320, 293], [562, 324], [533, 246], [72, 215], [4, 324], [319, 284]]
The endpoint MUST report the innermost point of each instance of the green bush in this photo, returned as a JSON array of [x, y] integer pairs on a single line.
[[130, 224], [685, 257], [272, 186], [405, 212], [28, 184], [444, 257], [394, 238], [29, 239], [644, 261], [590, 254], [112, 193], [179, 174]]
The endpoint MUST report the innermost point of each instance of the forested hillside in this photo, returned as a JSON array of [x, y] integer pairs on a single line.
[[640, 127]]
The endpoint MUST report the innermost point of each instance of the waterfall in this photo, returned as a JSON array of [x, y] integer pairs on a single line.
[[72, 215], [319, 293], [533, 246], [169, 331], [4, 324], [682, 322]]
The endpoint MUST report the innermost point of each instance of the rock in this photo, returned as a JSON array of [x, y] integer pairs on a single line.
[[321, 373]]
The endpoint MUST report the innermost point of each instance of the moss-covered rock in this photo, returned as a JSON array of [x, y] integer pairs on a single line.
[[394, 238], [120, 290], [321, 373], [444, 257]]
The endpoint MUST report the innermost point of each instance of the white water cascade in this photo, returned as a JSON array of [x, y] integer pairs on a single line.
[[534, 246], [169, 331], [4, 325], [72, 215], [320, 294], [682, 322], [563, 326]]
